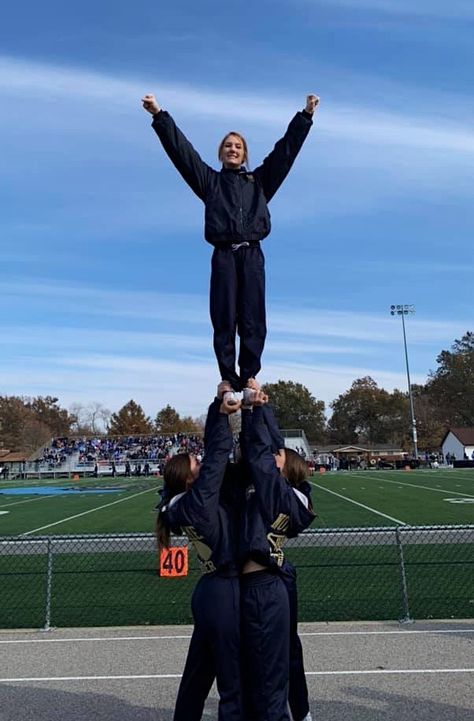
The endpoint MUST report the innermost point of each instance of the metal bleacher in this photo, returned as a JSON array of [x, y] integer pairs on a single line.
[[295, 438]]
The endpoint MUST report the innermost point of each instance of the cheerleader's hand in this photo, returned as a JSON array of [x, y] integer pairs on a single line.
[[150, 104], [223, 387], [229, 408], [312, 102], [260, 399]]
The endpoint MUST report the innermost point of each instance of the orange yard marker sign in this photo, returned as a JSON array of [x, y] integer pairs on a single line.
[[173, 562]]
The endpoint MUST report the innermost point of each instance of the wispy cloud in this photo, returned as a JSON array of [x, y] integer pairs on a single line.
[[155, 382], [87, 300], [364, 327], [123, 341], [456, 9], [293, 319], [85, 358], [366, 124]]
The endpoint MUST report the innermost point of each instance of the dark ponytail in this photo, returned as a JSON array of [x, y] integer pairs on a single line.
[[175, 475], [296, 471]]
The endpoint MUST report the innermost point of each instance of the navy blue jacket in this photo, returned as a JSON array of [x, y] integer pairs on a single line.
[[198, 512], [235, 200], [273, 512]]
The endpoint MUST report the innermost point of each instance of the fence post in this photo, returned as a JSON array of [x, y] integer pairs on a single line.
[[406, 605], [49, 586]]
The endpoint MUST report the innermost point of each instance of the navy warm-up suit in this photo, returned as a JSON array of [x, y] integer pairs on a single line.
[[236, 220], [214, 650], [298, 697], [274, 511]]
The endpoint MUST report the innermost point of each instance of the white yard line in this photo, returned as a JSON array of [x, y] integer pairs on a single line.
[[356, 503], [29, 500], [154, 676], [92, 510], [180, 637], [426, 488]]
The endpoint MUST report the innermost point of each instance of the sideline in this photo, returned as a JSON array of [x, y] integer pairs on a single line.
[[414, 485], [28, 500], [91, 510], [367, 508], [116, 639], [154, 676]]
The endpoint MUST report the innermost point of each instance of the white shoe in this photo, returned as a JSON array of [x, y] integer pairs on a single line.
[[308, 717], [230, 398]]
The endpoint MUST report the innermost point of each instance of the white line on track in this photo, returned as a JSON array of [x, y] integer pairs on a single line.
[[188, 636], [368, 508], [29, 500], [91, 510], [426, 488], [374, 672]]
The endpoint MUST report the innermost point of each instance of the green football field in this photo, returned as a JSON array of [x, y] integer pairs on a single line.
[[341, 575], [341, 499]]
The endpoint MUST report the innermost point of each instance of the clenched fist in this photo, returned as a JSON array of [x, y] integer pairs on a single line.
[[312, 101], [150, 104]]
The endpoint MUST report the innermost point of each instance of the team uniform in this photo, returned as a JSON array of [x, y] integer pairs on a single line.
[[298, 696], [214, 650], [274, 511], [236, 220]]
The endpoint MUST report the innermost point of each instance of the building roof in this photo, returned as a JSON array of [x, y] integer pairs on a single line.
[[12, 457], [464, 435], [379, 448]]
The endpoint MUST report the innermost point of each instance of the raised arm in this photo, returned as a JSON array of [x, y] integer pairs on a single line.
[[184, 157], [276, 497], [276, 166], [198, 507]]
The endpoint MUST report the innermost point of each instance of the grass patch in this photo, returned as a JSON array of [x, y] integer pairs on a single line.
[[342, 583]]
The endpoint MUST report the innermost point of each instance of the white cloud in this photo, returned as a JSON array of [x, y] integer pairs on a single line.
[[103, 340], [186, 385], [157, 366], [335, 119], [364, 327], [456, 9], [189, 312]]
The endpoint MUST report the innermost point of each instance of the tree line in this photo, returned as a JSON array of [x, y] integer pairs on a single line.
[[365, 413]]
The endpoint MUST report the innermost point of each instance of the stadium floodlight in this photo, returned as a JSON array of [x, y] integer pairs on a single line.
[[402, 311]]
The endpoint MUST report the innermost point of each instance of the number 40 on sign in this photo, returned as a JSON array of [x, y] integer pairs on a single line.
[[174, 561]]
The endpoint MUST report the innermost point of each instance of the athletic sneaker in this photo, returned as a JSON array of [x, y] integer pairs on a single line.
[[308, 717], [230, 398], [249, 396]]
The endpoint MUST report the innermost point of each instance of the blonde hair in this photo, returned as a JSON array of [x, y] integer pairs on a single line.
[[241, 138]]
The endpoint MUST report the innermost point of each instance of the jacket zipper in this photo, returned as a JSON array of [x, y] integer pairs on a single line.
[[241, 208]]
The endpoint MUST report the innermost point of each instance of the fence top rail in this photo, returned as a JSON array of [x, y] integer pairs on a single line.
[[377, 529], [308, 532]]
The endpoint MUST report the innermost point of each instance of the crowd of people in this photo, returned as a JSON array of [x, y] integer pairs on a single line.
[[116, 450]]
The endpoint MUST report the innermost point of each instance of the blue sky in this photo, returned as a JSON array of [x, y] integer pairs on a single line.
[[105, 273]]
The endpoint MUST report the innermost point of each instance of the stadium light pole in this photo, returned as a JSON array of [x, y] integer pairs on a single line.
[[402, 311]]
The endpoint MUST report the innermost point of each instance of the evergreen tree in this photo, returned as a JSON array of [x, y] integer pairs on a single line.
[[130, 420]]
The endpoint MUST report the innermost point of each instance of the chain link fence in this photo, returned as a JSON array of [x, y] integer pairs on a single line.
[[343, 574]]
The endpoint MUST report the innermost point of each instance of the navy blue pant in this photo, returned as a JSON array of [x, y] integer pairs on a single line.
[[214, 651], [265, 646], [298, 690], [237, 304]]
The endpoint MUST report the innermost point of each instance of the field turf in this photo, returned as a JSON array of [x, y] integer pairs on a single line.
[[337, 581], [341, 499]]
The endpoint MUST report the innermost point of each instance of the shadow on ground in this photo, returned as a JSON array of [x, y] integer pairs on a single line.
[[22, 702]]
